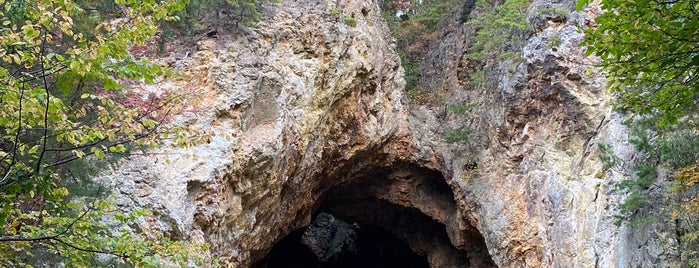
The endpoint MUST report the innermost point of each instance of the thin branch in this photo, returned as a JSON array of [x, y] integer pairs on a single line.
[[31, 78], [89, 250], [46, 107], [150, 132], [65, 230], [79, 147]]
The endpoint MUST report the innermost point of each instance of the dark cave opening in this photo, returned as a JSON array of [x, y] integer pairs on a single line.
[[375, 248], [388, 218]]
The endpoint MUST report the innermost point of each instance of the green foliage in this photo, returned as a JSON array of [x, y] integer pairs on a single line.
[[423, 21], [607, 156], [87, 232], [349, 21], [672, 149], [62, 69], [643, 135], [433, 14], [649, 50], [500, 33], [477, 78], [199, 15], [429, 15], [680, 148], [554, 41], [462, 109], [631, 204], [411, 71], [499, 29], [459, 134]]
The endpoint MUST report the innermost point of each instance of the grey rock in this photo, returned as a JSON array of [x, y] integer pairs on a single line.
[[330, 238]]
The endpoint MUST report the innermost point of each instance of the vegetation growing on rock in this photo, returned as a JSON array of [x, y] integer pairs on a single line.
[[649, 50], [415, 24], [500, 33]]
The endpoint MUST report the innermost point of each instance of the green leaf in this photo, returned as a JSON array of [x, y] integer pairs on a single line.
[[74, 65]]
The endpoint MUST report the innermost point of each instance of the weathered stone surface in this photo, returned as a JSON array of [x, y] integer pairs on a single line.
[[306, 111], [296, 106], [541, 197]]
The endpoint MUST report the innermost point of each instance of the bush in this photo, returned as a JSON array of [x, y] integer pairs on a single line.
[[205, 14], [499, 29], [417, 28], [500, 32], [459, 134], [672, 149], [349, 21]]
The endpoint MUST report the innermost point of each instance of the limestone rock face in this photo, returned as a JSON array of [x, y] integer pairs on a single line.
[[540, 196], [306, 112], [294, 107]]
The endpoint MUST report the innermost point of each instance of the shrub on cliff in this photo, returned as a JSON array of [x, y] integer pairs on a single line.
[[414, 29], [501, 30]]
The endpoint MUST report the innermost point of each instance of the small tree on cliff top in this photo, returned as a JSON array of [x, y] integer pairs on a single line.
[[62, 66]]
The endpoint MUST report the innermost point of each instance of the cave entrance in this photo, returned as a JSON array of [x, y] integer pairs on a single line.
[[369, 247], [403, 216]]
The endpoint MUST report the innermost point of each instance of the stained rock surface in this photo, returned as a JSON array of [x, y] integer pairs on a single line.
[[308, 113]]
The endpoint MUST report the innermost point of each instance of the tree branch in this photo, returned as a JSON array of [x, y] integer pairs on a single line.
[[46, 107], [31, 239]]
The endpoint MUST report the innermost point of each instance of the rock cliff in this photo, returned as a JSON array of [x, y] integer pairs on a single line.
[[307, 113]]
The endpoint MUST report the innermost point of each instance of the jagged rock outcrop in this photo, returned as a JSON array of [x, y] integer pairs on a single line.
[[306, 112]]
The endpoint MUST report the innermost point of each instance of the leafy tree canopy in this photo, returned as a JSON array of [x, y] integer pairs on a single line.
[[63, 64], [651, 51]]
